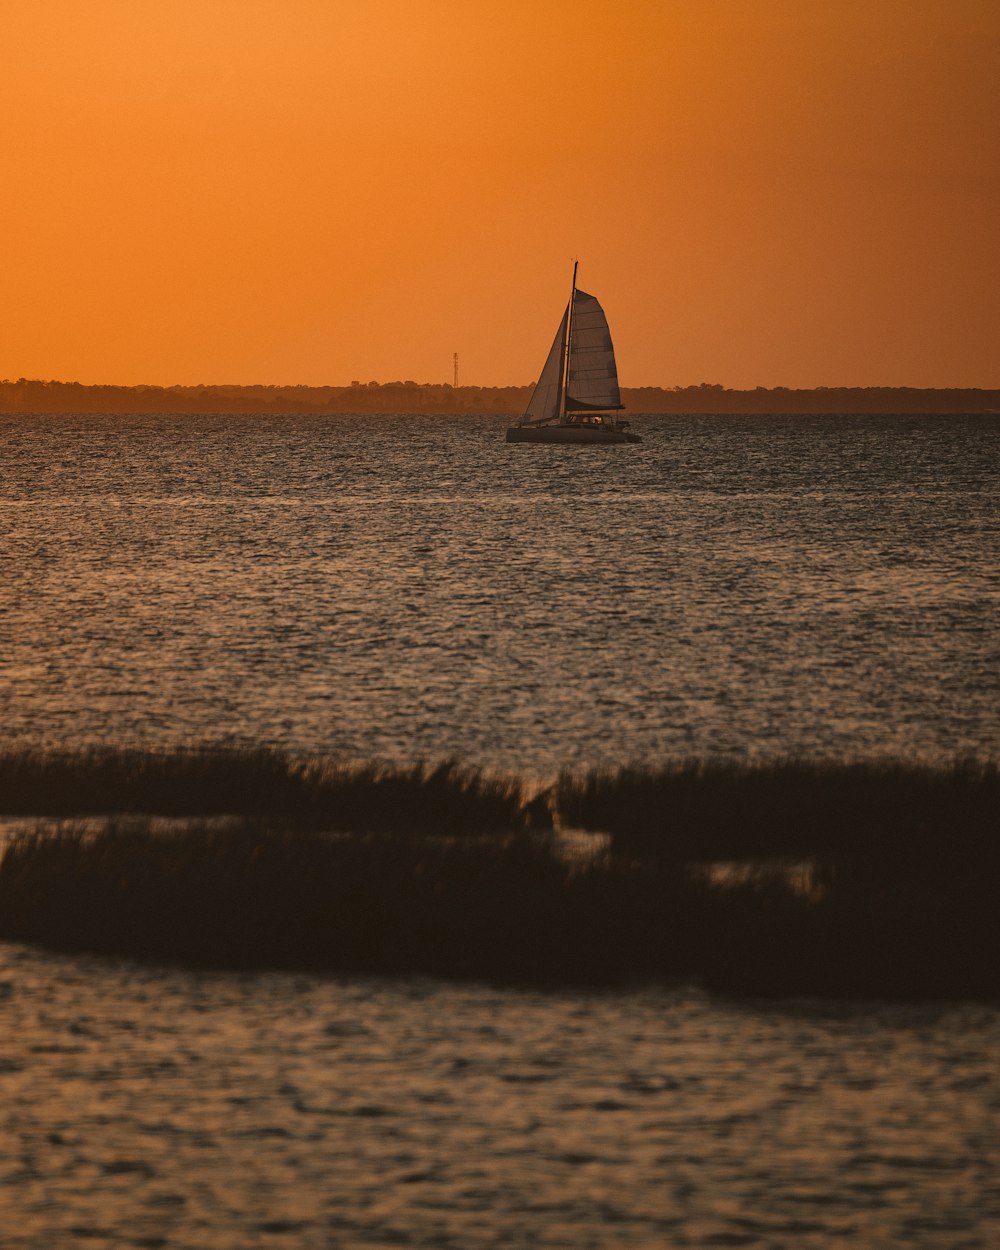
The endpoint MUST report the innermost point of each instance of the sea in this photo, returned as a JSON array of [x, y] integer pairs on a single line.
[[414, 588]]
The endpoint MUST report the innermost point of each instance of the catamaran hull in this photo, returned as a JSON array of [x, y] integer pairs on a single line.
[[595, 435]]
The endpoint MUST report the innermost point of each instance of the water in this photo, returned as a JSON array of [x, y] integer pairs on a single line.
[[154, 1108], [413, 587], [408, 587]]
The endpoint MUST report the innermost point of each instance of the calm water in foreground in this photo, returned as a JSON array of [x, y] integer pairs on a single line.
[[414, 587], [161, 1108]]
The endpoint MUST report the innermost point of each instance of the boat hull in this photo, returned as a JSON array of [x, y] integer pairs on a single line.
[[594, 435]]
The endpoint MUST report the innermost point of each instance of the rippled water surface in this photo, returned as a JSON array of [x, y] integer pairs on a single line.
[[414, 586], [142, 1108]]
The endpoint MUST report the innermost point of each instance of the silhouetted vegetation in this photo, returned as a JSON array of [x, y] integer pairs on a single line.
[[253, 896], [877, 820], [258, 782], [903, 902], [33, 395]]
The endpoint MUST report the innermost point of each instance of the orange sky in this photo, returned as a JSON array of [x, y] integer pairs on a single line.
[[761, 192]]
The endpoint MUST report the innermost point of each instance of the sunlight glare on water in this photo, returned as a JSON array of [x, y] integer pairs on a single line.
[[408, 587]]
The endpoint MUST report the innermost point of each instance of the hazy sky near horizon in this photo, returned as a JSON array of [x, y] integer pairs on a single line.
[[761, 192]]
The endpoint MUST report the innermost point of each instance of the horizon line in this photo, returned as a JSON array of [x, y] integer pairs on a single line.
[[473, 386]]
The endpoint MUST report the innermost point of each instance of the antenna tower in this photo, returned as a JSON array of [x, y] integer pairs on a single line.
[[456, 369]]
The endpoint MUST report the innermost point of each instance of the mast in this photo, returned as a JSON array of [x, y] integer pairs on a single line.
[[564, 376]]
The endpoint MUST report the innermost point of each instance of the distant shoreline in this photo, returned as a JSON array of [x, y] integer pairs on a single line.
[[36, 396]]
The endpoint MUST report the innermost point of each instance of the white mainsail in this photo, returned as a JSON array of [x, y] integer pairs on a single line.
[[544, 402], [593, 376]]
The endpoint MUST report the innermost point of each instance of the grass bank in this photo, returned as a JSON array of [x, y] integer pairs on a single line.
[[263, 783], [880, 821], [438, 871]]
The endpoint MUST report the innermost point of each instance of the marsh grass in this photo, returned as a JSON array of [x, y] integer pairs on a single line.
[[258, 782], [505, 908], [250, 896], [417, 884], [877, 820]]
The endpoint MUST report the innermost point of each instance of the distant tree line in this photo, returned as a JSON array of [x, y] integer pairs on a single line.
[[32, 395]]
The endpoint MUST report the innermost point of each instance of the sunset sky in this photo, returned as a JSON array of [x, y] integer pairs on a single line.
[[761, 192]]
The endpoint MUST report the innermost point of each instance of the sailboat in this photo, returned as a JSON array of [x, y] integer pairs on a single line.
[[576, 397]]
